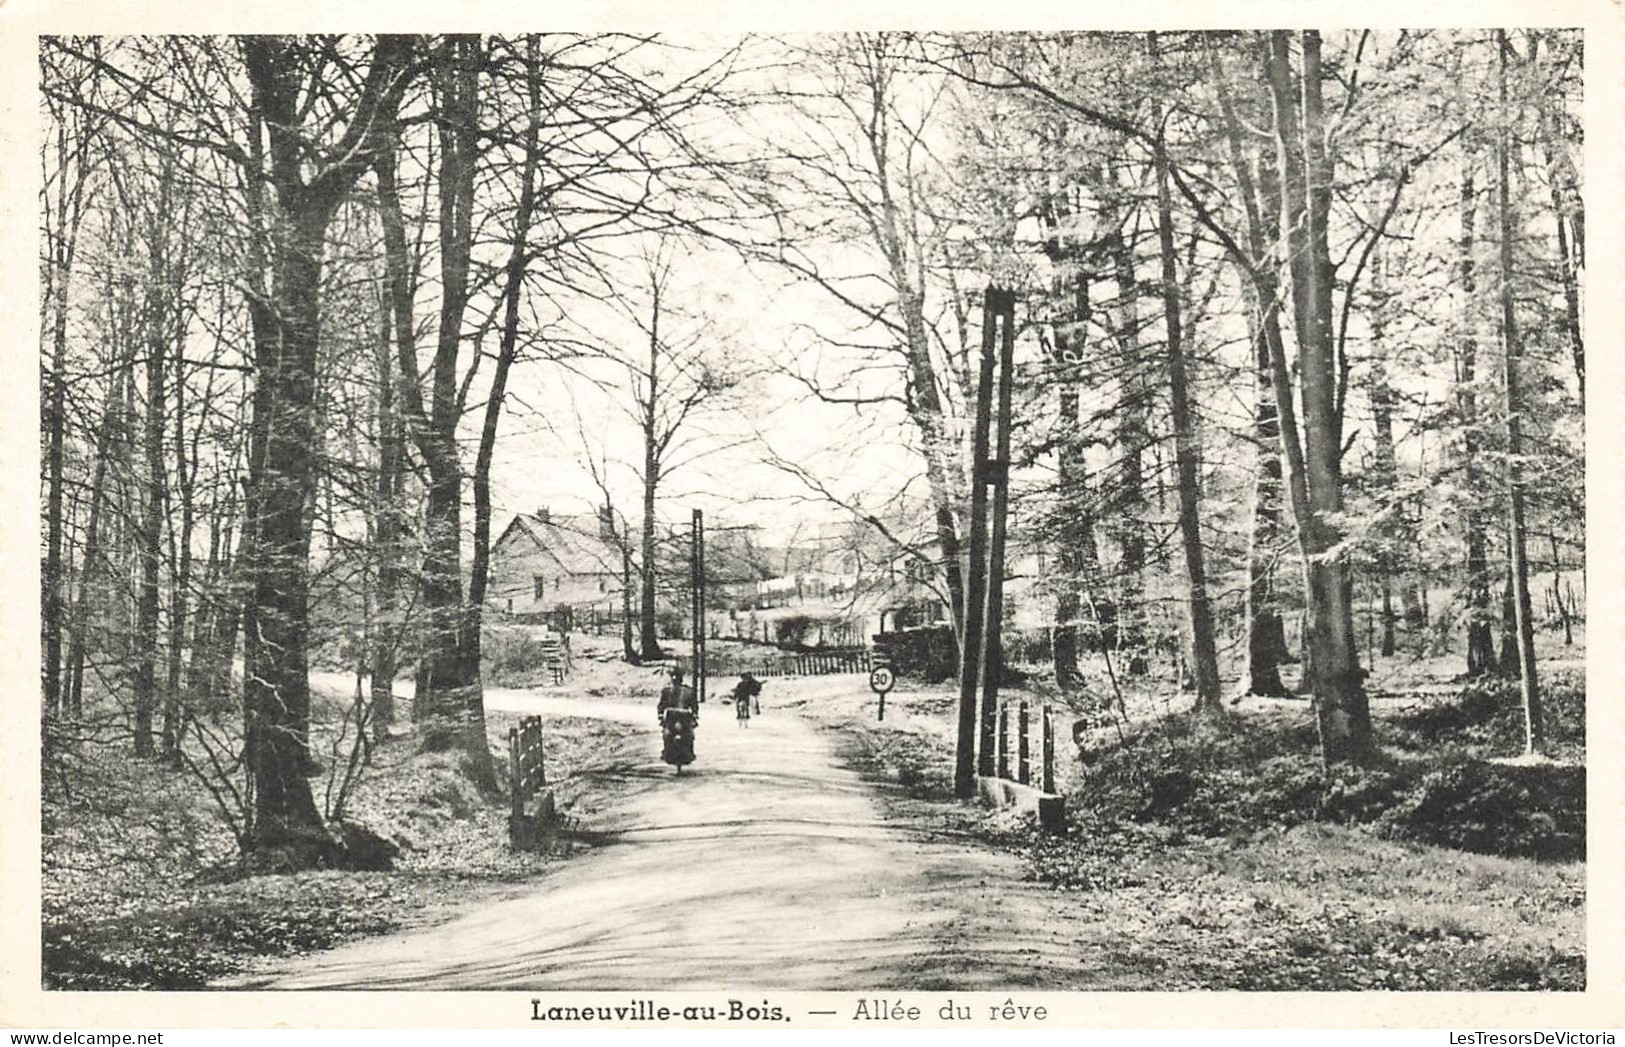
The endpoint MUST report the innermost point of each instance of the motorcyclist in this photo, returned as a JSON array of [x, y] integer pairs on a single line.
[[675, 696], [679, 713]]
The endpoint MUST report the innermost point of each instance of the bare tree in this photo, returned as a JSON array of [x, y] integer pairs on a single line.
[[69, 157], [308, 179], [862, 174], [1204, 652], [1515, 409], [682, 372]]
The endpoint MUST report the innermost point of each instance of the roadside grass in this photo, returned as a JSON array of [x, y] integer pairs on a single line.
[[1226, 858], [1317, 907], [142, 888], [514, 658]]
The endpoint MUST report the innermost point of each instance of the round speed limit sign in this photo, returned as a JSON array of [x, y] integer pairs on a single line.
[[881, 679]]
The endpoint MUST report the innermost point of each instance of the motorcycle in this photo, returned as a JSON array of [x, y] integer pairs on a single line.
[[677, 729]]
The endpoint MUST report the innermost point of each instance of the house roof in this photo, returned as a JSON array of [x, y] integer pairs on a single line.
[[573, 542]]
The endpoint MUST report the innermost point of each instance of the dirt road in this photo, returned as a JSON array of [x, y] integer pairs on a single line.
[[765, 864]]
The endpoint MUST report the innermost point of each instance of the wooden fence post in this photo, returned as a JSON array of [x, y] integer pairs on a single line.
[[517, 803], [1049, 752], [1023, 764], [541, 755], [1004, 741]]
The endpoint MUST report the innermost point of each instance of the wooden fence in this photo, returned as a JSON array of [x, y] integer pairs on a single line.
[[1024, 769], [820, 662], [531, 804]]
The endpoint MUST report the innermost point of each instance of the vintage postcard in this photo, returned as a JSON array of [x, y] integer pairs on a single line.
[[857, 518]]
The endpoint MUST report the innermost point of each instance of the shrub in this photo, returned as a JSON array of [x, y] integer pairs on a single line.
[[1252, 774], [1027, 647], [511, 655], [791, 631], [672, 624], [928, 653], [1537, 810], [1488, 714]]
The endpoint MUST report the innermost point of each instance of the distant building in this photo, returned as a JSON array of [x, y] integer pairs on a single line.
[[542, 563], [907, 588], [567, 569]]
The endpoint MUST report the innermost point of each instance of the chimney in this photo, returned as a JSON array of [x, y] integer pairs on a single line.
[[606, 523], [542, 515]]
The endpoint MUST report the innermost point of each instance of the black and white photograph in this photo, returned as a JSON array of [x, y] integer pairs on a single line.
[[857, 511]]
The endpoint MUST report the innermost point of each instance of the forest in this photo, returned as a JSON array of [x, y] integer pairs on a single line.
[[1298, 421]]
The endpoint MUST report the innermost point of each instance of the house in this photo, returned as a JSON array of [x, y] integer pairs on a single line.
[[737, 567], [542, 563], [906, 588]]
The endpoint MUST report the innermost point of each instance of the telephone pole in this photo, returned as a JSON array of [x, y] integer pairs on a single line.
[[696, 583], [980, 660]]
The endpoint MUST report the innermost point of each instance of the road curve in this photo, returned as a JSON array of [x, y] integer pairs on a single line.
[[765, 864]]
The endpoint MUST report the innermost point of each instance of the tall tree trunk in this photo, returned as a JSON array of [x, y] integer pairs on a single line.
[[1341, 707], [1480, 639], [1260, 197], [513, 288], [629, 653], [388, 528], [152, 512], [941, 472], [1266, 633], [1568, 213], [449, 706], [287, 828], [93, 575], [1533, 733], [180, 587], [63, 250], [1204, 650], [1075, 534], [895, 237], [51, 577], [276, 684], [1386, 466], [1567, 266], [450, 698], [648, 637], [1074, 553], [1129, 609], [405, 396]]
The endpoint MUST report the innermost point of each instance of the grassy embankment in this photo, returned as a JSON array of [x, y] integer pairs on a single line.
[[1224, 856], [142, 886]]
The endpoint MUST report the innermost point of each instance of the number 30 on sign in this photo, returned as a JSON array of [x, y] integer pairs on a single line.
[[881, 679]]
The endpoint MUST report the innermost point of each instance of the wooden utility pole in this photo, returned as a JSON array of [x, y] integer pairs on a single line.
[[997, 473], [697, 591], [970, 651], [980, 637]]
